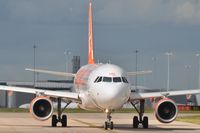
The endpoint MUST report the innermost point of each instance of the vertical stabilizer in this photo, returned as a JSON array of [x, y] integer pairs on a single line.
[[90, 36]]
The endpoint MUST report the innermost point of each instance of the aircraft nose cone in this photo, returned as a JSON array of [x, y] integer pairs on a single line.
[[113, 97]]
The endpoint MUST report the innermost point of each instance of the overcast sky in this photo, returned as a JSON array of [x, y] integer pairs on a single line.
[[120, 27]]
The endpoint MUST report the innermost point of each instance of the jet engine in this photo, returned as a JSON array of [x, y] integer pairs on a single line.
[[41, 108], [166, 110]]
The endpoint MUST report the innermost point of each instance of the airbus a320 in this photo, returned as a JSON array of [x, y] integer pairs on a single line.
[[100, 87]]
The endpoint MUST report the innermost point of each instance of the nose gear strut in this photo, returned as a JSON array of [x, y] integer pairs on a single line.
[[108, 123]]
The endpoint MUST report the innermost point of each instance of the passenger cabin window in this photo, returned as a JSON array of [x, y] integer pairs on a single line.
[[107, 79], [117, 79], [99, 79], [124, 80]]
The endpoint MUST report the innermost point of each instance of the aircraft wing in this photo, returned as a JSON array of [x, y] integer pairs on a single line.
[[63, 74], [62, 94], [147, 95], [138, 73]]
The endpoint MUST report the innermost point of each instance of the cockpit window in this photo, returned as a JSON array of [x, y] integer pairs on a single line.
[[99, 79], [117, 79], [124, 80], [111, 79], [107, 79], [96, 79]]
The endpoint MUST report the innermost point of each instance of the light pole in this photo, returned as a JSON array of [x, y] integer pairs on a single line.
[[34, 51], [136, 67], [198, 96], [154, 59], [188, 68], [198, 55], [67, 53], [169, 54]]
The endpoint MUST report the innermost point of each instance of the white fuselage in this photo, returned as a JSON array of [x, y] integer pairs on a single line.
[[102, 87]]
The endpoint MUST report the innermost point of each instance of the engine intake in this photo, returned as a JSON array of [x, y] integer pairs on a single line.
[[41, 108], [166, 110]]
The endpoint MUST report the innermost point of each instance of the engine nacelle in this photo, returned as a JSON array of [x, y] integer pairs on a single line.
[[166, 110], [41, 108]]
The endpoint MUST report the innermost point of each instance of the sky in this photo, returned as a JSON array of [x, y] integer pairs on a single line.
[[153, 27]]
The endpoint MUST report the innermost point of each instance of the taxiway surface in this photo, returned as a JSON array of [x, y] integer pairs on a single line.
[[88, 123]]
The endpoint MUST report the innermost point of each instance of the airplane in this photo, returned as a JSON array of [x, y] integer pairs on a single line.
[[100, 87]]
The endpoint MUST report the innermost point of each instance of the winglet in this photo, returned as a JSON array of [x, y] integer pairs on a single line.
[[90, 36]]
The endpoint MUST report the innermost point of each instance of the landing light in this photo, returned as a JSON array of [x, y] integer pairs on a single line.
[[107, 110]]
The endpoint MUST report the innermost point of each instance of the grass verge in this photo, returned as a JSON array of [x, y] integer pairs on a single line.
[[190, 119], [14, 110]]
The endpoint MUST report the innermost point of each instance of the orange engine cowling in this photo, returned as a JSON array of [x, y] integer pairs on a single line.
[[41, 108], [166, 110]]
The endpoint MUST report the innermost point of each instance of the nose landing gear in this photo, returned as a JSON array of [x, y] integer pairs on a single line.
[[108, 123]]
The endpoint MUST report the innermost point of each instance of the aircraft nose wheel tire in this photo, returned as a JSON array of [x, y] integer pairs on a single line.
[[111, 125], [108, 125]]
